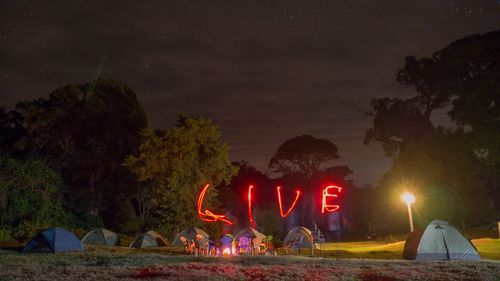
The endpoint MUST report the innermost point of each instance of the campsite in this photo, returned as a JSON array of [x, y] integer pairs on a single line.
[[149, 256], [194, 140], [347, 261]]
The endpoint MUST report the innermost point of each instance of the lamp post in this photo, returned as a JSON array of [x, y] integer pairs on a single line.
[[409, 199]]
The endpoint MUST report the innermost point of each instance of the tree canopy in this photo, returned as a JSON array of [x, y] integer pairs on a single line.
[[303, 154], [85, 131], [30, 197], [174, 164], [454, 170]]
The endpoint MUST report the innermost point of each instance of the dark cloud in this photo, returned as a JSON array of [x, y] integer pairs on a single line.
[[265, 71]]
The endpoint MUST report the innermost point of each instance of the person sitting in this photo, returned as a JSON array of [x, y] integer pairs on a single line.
[[211, 247], [237, 247], [185, 242]]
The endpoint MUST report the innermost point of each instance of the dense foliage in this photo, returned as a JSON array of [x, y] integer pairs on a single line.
[[173, 166], [30, 197], [455, 172]]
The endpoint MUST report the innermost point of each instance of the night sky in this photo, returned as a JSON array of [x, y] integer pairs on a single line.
[[265, 71]]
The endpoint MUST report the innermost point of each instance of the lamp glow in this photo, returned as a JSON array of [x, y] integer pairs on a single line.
[[409, 199]]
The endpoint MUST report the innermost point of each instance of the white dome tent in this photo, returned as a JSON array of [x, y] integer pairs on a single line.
[[298, 238], [441, 241]]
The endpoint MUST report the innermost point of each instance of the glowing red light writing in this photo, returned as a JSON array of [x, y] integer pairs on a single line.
[[207, 215], [250, 217], [329, 195], [284, 215], [328, 192]]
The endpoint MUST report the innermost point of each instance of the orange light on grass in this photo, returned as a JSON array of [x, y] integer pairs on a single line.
[[327, 194], [284, 215], [207, 215], [226, 252]]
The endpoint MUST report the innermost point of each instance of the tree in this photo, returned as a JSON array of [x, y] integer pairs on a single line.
[[465, 77], [466, 73], [303, 154], [396, 123], [461, 165], [236, 192], [11, 131], [175, 163], [30, 197], [85, 131], [442, 171], [307, 162]]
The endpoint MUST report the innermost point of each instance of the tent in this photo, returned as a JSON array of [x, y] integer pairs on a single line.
[[101, 236], [149, 239], [247, 238], [54, 240], [191, 234], [300, 237], [226, 243], [439, 241]]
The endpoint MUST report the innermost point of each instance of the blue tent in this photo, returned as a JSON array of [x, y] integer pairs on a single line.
[[54, 240]]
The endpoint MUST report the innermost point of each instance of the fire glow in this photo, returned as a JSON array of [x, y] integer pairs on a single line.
[[329, 195], [227, 252]]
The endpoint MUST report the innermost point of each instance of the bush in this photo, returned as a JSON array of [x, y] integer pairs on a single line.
[[119, 215], [6, 235], [30, 197], [88, 221], [270, 224]]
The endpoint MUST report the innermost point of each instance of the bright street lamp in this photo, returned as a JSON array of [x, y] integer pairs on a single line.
[[409, 199]]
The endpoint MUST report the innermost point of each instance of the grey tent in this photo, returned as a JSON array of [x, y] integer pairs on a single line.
[[191, 234], [298, 238], [440, 241], [248, 240], [149, 239], [101, 236], [252, 233]]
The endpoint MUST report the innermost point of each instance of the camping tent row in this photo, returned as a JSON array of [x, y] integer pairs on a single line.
[[101, 236], [439, 241], [248, 240], [59, 240]]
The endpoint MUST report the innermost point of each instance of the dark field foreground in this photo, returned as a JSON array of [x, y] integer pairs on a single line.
[[102, 265]]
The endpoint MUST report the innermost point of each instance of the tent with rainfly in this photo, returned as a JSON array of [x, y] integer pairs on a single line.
[[149, 239], [191, 234], [54, 240], [439, 241], [101, 236], [298, 238]]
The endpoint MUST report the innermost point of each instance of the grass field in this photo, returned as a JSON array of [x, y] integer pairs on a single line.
[[341, 261]]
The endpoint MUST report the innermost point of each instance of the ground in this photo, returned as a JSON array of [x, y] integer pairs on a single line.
[[340, 261]]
